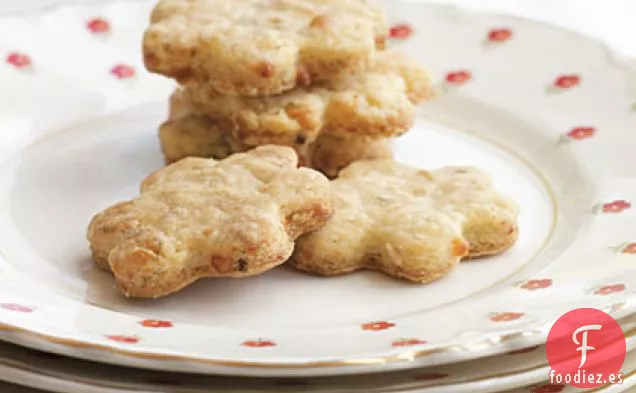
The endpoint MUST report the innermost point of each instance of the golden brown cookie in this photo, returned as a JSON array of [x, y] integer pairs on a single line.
[[206, 218], [261, 47], [377, 102], [198, 136], [408, 223]]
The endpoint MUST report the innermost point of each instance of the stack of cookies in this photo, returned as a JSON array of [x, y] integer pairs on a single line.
[[313, 75], [267, 89]]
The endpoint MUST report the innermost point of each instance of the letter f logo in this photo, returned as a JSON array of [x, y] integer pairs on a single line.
[[583, 344]]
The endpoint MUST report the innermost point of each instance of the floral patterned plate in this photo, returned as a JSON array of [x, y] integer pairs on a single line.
[[524, 370], [550, 114]]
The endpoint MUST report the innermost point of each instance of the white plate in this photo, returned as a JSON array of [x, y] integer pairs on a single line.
[[526, 369], [78, 132]]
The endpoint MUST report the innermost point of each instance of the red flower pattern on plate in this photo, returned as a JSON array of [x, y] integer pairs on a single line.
[[429, 376], [506, 316], [580, 133], [499, 35], [16, 307], [458, 77], [407, 342], [567, 81], [401, 31], [258, 343], [98, 26], [524, 350], [18, 60], [123, 71], [548, 389], [616, 206], [533, 285], [377, 325], [154, 323], [609, 289], [124, 339]]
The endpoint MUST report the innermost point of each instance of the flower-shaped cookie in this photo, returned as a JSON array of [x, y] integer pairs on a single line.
[[408, 223], [188, 134], [261, 47], [201, 217], [191, 135], [377, 102]]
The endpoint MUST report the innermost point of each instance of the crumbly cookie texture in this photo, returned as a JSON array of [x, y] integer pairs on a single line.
[[408, 223], [377, 102], [192, 135], [202, 217], [261, 47]]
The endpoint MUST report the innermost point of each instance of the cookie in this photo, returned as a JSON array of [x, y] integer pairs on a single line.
[[199, 136], [330, 154], [408, 223], [377, 102], [261, 47], [196, 136], [185, 134], [206, 218], [177, 105]]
